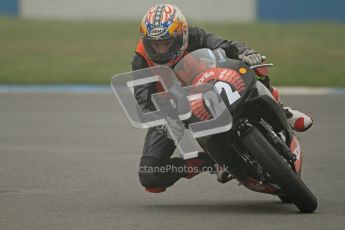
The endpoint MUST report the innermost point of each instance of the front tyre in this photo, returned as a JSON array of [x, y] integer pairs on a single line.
[[279, 170], [285, 199]]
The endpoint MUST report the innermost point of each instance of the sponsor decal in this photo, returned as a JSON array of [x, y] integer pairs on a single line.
[[233, 78], [227, 75], [157, 31], [205, 77]]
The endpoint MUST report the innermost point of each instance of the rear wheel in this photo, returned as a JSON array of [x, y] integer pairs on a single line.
[[279, 170]]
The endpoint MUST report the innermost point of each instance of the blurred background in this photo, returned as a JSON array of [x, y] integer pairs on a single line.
[[70, 160], [87, 42]]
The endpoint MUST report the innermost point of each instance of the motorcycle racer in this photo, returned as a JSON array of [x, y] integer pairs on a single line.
[[165, 37]]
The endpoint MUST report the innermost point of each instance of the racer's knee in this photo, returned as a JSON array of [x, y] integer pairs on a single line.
[[149, 174], [152, 177]]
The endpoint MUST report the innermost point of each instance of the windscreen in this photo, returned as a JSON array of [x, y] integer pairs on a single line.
[[193, 64]]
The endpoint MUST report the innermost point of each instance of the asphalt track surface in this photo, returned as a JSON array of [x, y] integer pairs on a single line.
[[69, 161]]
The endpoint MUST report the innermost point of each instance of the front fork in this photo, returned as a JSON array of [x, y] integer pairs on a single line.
[[260, 182], [286, 143]]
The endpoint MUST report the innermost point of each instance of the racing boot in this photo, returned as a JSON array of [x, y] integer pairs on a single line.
[[195, 166], [297, 120]]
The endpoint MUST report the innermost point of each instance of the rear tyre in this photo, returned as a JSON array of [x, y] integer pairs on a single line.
[[279, 170]]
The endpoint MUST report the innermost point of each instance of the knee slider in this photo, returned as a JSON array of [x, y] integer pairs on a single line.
[[149, 174]]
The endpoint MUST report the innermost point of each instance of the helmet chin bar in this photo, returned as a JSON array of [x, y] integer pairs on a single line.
[[161, 59], [174, 50]]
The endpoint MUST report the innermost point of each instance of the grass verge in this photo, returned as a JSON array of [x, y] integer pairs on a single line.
[[49, 52]]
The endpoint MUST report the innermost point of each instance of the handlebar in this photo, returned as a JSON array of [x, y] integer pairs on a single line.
[[261, 65]]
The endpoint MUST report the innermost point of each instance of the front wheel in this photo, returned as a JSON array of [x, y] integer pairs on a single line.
[[285, 199], [279, 170]]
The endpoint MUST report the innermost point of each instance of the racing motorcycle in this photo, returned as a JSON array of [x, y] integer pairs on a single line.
[[259, 148]]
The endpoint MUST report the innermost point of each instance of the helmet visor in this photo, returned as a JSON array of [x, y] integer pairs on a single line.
[[163, 51]]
